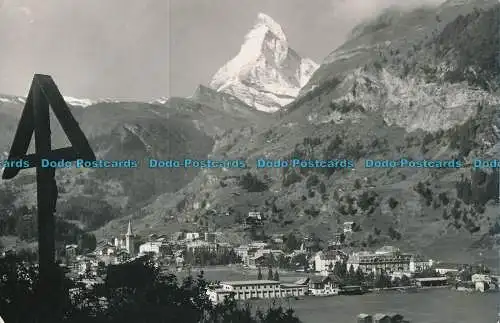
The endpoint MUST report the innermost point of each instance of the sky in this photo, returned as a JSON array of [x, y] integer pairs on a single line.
[[146, 49]]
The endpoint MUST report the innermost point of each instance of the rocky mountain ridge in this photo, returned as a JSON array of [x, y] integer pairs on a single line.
[[394, 64]]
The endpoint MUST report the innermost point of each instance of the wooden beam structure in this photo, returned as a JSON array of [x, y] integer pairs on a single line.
[[35, 119]]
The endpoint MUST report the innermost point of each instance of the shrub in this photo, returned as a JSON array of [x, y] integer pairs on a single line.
[[252, 183], [393, 234], [291, 178], [393, 202], [312, 181]]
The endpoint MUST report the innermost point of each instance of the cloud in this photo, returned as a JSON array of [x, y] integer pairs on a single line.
[[356, 11], [28, 13], [347, 14], [15, 10]]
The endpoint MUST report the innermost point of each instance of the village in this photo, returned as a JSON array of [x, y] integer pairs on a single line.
[[325, 272]]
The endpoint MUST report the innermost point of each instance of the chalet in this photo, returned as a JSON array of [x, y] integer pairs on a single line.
[[205, 246], [242, 252], [351, 290], [177, 236], [158, 248], [190, 236], [484, 282], [348, 226], [261, 256], [365, 318], [105, 248], [396, 317], [179, 261], [257, 261], [255, 215], [71, 250], [381, 318], [122, 256], [448, 268], [431, 281], [323, 286], [210, 237]]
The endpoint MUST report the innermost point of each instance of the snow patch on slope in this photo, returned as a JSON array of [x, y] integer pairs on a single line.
[[162, 101], [78, 102], [68, 99]]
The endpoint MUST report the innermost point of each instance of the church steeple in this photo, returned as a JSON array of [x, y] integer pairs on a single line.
[[129, 240], [129, 230]]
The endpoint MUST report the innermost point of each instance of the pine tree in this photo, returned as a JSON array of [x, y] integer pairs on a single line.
[[343, 270], [360, 277], [270, 274], [337, 270], [259, 274], [352, 273]]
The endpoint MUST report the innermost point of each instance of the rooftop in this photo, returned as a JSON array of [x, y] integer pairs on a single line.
[[250, 282], [387, 249], [293, 285], [431, 279]]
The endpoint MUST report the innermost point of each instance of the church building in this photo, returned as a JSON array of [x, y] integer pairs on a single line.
[[127, 241]]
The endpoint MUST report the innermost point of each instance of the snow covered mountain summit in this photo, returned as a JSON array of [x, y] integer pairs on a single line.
[[266, 74]]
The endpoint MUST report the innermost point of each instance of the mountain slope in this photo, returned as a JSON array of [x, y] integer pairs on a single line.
[[424, 96], [180, 129], [266, 74], [395, 64], [365, 112]]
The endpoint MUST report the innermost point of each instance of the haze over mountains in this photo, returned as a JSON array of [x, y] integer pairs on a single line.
[[418, 84]]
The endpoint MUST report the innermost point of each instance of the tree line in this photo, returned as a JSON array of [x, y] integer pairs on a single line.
[[211, 258], [137, 291]]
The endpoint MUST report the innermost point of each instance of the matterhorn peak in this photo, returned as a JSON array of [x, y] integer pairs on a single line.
[[265, 21], [266, 73]]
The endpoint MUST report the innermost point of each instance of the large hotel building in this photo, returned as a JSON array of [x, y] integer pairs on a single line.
[[388, 259]]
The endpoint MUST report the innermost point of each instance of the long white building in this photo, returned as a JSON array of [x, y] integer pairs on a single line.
[[249, 289]]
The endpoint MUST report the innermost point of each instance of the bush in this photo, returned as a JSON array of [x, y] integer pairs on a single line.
[[291, 178], [393, 203], [462, 137], [393, 234], [481, 188], [425, 192], [312, 212], [444, 198], [252, 183], [322, 188], [312, 181], [366, 200]]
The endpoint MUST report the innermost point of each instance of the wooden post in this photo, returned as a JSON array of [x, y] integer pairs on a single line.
[[46, 198], [36, 119]]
